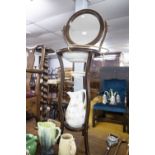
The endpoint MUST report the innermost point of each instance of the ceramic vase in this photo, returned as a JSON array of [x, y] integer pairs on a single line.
[[118, 99], [112, 100], [48, 135], [67, 145], [31, 144], [104, 99]]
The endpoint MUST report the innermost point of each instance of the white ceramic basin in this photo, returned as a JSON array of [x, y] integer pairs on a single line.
[[76, 56]]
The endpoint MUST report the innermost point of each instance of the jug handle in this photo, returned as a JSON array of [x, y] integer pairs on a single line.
[[84, 92], [59, 133]]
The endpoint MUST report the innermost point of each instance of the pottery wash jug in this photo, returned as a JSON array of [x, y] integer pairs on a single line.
[[76, 110], [67, 145]]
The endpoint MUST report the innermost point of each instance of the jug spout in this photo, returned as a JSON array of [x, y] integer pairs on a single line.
[[69, 93]]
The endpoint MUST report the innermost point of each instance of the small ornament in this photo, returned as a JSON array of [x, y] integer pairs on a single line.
[[118, 100], [104, 101]]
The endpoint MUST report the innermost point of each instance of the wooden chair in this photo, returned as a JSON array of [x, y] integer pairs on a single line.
[[115, 79]]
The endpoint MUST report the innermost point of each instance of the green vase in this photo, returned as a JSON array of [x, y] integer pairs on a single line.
[[48, 135], [31, 144]]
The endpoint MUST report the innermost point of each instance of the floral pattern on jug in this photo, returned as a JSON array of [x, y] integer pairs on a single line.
[[76, 110]]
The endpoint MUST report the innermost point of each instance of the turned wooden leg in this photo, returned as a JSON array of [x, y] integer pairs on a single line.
[[86, 143]]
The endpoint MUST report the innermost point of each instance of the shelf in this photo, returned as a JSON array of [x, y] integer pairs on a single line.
[[34, 71]]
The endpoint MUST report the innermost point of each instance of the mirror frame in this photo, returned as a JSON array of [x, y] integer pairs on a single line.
[[74, 16]]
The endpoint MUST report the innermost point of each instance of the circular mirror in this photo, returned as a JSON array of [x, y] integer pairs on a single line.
[[85, 27]]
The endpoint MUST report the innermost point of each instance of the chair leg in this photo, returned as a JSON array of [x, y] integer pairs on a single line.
[[86, 142], [128, 126], [125, 123], [124, 126]]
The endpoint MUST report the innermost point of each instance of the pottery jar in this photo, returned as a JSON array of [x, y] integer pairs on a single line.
[[67, 145], [31, 144]]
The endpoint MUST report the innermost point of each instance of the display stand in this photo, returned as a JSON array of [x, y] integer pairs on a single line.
[[84, 128], [80, 49]]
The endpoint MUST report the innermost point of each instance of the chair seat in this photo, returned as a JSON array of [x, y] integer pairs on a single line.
[[110, 108]]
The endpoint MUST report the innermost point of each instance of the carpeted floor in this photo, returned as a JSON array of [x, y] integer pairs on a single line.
[[97, 137]]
